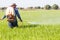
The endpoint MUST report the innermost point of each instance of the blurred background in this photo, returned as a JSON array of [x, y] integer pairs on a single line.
[[31, 4]]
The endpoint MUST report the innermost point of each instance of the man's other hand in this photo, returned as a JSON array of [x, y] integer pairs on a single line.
[[0, 19]]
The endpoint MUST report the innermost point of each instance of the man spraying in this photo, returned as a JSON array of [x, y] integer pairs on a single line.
[[12, 14]]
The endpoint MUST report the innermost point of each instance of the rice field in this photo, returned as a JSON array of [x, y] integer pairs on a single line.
[[36, 25]]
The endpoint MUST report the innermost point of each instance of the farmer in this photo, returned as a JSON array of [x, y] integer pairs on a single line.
[[11, 14]]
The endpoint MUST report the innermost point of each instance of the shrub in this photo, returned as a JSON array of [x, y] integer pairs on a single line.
[[55, 6], [47, 7]]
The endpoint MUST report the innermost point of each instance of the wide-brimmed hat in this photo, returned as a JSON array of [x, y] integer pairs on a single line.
[[13, 4]]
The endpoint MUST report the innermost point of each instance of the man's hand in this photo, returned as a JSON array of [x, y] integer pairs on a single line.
[[21, 20], [0, 19]]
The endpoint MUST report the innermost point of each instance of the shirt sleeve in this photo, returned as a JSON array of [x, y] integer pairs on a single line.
[[18, 15], [6, 11], [4, 17]]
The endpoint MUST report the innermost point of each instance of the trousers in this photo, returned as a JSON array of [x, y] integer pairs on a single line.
[[13, 24]]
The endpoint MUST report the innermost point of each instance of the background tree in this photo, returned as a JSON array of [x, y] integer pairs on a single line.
[[47, 7], [38, 7], [55, 6], [30, 7], [21, 8]]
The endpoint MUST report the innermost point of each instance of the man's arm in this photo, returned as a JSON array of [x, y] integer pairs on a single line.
[[18, 15], [3, 17]]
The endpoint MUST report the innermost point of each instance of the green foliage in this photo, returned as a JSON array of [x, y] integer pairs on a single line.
[[47, 7], [49, 30], [30, 7], [55, 6], [37, 7]]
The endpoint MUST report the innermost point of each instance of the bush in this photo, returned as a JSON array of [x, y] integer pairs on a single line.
[[37, 7], [55, 6], [21, 8], [30, 7], [47, 7], [42, 7]]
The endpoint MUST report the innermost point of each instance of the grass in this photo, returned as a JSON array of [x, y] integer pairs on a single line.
[[49, 29]]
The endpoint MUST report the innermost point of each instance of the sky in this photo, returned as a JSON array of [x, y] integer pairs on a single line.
[[28, 3]]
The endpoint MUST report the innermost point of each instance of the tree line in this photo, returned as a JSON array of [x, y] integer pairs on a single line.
[[47, 7], [55, 6]]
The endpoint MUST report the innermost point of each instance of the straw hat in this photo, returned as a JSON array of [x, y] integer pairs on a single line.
[[13, 4]]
